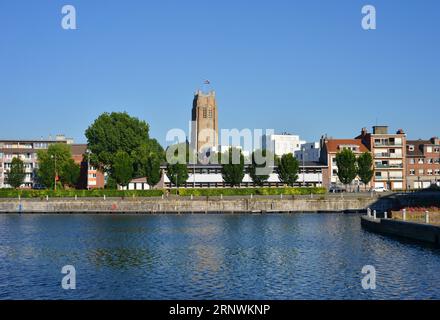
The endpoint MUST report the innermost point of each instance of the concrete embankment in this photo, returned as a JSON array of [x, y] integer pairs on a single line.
[[410, 230], [182, 205]]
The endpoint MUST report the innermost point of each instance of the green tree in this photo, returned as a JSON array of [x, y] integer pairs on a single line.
[[262, 162], [288, 168], [232, 166], [122, 168], [152, 170], [347, 168], [57, 159], [70, 173], [365, 168], [177, 173], [113, 132], [16, 175]]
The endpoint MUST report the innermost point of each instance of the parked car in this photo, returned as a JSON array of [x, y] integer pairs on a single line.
[[380, 189], [336, 189]]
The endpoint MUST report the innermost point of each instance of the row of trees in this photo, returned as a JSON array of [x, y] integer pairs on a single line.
[[350, 167], [233, 167]]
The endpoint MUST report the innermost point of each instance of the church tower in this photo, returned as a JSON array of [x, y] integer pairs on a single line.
[[204, 122]]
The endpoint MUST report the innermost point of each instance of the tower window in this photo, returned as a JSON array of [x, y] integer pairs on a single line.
[[210, 113], [204, 113]]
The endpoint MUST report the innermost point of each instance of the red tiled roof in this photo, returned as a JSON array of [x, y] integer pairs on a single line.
[[333, 145]]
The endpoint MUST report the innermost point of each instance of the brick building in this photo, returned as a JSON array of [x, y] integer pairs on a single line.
[[329, 148], [204, 122], [423, 163], [90, 177]]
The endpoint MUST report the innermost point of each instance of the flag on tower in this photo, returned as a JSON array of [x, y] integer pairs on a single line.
[[207, 82]]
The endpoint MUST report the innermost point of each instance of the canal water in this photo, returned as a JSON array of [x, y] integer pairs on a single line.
[[301, 256]]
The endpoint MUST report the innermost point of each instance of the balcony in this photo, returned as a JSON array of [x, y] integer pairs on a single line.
[[387, 155], [388, 144], [388, 166]]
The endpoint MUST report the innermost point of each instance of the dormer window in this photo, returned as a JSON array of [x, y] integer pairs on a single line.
[[410, 148]]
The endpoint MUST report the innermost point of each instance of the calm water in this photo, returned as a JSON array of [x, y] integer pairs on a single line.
[[209, 257]]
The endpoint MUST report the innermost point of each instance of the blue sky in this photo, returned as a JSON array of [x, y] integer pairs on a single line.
[[306, 67]]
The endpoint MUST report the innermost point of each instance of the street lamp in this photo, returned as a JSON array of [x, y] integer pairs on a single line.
[[88, 167], [54, 157], [304, 169]]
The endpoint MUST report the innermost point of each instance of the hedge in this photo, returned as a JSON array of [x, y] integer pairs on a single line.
[[11, 193], [249, 191]]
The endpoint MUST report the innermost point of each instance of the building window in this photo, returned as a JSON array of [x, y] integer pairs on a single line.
[[210, 113], [412, 172], [437, 172], [204, 113], [420, 161], [430, 161], [429, 172], [421, 172], [411, 161]]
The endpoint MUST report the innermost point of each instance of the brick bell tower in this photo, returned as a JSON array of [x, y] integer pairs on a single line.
[[204, 122]]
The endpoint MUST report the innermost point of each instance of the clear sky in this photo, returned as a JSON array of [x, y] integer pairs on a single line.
[[306, 67]]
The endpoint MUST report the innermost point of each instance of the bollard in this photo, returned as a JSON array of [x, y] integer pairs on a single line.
[[281, 196], [385, 215], [221, 196], [311, 195], [192, 197], [369, 212], [162, 197], [104, 197], [47, 198], [19, 197], [252, 195], [76, 197], [427, 217], [374, 214], [404, 214]]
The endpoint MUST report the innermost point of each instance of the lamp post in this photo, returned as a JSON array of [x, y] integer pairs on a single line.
[[88, 168], [54, 157], [304, 169]]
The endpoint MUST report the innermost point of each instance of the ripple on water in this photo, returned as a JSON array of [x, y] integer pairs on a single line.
[[209, 257]]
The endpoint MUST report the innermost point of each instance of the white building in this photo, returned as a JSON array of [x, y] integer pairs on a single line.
[[309, 151], [281, 144]]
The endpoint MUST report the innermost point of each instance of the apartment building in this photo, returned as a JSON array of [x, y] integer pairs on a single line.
[[389, 154], [423, 163], [310, 151], [329, 148], [26, 150], [281, 144]]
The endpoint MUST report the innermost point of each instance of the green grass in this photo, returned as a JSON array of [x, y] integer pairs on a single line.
[[11, 193], [249, 191]]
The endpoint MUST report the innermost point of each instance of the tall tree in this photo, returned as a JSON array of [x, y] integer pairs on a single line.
[[152, 170], [262, 162], [288, 168], [232, 166], [122, 168], [365, 168], [177, 173], [113, 132], [16, 174], [57, 159], [347, 166]]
